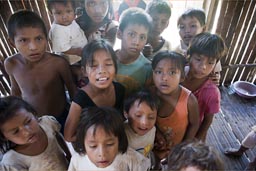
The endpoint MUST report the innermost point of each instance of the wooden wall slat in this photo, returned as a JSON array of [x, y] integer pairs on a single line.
[[17, 5], [221, 17]]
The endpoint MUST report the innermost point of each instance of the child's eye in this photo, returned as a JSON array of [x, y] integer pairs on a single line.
[[91, 4], [110, 144], [131, 34], [181, 27], [28, 121], [92, 146], [22, 40], [104, 3], [143, 37], [15, 131], [157, 72], [39, 38], [109, 64], [171, 73], [193, 26]]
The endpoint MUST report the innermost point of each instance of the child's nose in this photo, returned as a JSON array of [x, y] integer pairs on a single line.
[[203, 65], [101, 151], [32, 45], [102, 69]]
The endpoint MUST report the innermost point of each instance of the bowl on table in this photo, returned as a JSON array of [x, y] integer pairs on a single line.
[[245, 89]]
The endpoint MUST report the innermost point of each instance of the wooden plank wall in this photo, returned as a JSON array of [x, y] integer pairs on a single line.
[[236, 24]]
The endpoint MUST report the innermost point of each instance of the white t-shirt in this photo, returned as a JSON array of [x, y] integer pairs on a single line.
[[65, 37], [129, 161]]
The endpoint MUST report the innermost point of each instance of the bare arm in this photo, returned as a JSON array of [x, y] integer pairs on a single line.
[[74, 51], [15, 89], [63, 145], [68, 80], [72, 122], [202, 131], [193, 118]]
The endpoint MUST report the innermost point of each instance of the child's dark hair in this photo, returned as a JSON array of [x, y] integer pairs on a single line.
[[85, 21], [194, 153], [8, 108], [159, 6], [24, 18], [197, 13], [135, 15], [50, 3], [107, 118], [210, 45], [142, 96], [92, 47], [178, 59]]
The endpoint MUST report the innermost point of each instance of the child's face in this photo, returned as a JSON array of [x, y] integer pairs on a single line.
[[160, 22], [134, 38], [31, 43], [166, 76], [22, 129], [188, 28], [102, 71], [63, 14], [201, 66], [141, 117], [100, 146], [96, 9]]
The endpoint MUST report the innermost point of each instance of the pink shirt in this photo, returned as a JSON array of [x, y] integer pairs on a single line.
[[208, 97]]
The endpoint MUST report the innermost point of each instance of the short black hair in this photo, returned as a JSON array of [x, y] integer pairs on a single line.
[[143, 96], [92, 47], [210, 45], [8, 107], [175, 57], [107, 118], [135, 15], [50, 3], [199, 14], [159, 6], [24, 18]]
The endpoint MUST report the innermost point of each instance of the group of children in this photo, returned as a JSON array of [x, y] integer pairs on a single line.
[[131, 111]]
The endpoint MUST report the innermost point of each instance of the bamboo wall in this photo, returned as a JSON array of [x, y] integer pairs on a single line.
[[236, 24]]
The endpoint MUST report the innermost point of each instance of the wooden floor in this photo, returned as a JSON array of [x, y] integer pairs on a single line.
[[231, 125]]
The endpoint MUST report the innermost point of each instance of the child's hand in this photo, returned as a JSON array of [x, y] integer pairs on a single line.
[[147, 50], [160, 141], [215, 77]]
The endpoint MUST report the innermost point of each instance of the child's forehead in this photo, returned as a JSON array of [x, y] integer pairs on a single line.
[[135, 27], [28, 30], [188, 19], [203, 56], [170, 62]]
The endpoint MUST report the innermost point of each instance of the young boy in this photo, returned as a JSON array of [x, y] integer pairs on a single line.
[[134, 70], [140, 109], [36, 75], [204, 52], [160, 11], [65, 34], [191, 23], [248, 142]]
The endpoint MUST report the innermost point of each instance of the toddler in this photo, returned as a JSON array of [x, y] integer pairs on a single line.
[[102, 144], [99, 66], [29, 143]]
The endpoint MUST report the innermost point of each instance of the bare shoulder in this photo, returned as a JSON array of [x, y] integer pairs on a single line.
[[13, 61], [56, 60]]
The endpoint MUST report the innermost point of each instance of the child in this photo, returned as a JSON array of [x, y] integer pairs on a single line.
[[178, 116], [194, 156], [134, 70], [29, 143], [125, 4], [204, 52], [191, 23], [160, 11], [248, 142], [97, 22], [140, 110], [99, 65], [65, 34], [102, 144], [37, 76]]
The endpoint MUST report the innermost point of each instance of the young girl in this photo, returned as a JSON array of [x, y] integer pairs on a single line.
[[96, 20], [178, 116], [102, 143], [29, 143], [99, 65]]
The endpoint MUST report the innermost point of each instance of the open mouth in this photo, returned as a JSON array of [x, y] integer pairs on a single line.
[[102, 79]]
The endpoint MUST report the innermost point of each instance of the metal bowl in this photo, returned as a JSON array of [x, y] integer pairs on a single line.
[[245, 89]]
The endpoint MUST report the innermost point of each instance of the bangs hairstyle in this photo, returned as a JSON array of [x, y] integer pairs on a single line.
[[107, 118], [210, 45], [176, 58], [199, 14], [24, 18], [96, 45], [142, 96], [194, 153], [159, 6], [50, 3], [135, 15], [8, 108]]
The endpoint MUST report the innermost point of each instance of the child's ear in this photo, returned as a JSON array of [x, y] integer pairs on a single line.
[[11, 42], [204, 28], [84, 72], [119, 34], [125, 115]]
